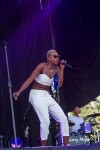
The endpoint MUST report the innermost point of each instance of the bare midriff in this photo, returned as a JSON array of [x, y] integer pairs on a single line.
[[39, 86]]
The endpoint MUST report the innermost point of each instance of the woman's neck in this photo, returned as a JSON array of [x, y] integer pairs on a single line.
[[51, 66]]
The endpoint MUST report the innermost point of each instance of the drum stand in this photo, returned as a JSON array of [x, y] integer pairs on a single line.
[[97, 136], [88, 135], [59, 139]]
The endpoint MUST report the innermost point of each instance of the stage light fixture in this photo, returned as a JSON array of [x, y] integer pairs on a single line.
[[19, 142]]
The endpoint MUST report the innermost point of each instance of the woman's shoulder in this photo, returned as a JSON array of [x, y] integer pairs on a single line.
[[41, 65]]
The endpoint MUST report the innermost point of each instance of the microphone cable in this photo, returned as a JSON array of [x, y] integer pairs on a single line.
[[26, 110]]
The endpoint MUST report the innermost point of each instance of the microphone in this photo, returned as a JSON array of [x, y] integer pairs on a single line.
[[65, 63]]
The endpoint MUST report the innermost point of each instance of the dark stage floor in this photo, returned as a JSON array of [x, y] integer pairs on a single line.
[[95, 146]]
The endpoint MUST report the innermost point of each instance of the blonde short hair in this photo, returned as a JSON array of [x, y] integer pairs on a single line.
[[50, 52]]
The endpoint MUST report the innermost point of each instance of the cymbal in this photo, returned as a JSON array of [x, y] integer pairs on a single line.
[[93, 115]]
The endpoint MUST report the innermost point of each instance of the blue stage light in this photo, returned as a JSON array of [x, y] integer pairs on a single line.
[[18, 140], [56, 81]]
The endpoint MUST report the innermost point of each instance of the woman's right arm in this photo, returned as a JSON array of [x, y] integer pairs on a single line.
[[37, 70]]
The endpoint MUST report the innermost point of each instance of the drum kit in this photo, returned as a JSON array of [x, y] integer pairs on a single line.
[[86, 135], [94, 120], [82, 135]]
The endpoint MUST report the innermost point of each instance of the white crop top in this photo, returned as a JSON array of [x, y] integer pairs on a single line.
[[44, 79]]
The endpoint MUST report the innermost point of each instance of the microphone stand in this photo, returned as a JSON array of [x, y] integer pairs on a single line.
[[10, 93], [41, 4]]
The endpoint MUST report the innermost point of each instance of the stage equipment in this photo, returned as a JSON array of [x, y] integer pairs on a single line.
[[78, 139], [19, 142], [93, 118], [55, 90], [75, 139], [41, 4], [10, 92], [86, 127], [1, 141], [56, 81], [26, 133], [97, 136], [94, 115]]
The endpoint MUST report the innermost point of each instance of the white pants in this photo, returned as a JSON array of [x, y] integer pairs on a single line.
[[44, 105]]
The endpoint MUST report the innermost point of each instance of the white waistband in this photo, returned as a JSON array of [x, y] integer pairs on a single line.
[[39, 91]]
